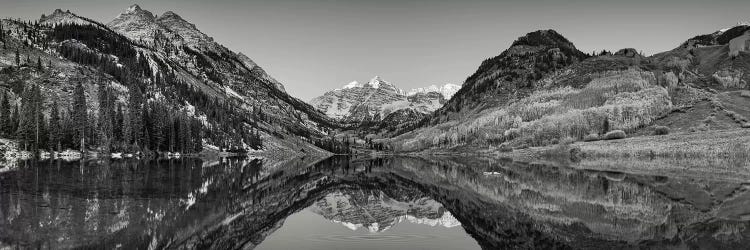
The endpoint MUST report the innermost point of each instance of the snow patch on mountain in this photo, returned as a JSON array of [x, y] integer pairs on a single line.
[[378, 98], [231, 92], [351, 85], [378, 212], [447, 90], [375, 82]]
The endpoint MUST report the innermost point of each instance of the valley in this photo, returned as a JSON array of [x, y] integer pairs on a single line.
[[100, 88], [247, 125]]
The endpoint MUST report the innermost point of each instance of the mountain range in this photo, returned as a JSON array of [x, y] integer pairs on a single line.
[[377, 212], [376, 99], [229, 93], [113, 83]]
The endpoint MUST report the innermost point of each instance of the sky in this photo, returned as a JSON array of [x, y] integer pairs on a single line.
[[313, 46]]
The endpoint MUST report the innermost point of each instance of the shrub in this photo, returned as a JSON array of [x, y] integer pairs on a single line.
[[615, 134], [567, 140], [505, 148], [746, 125], [661, 130], [591, 137], [745, 93]]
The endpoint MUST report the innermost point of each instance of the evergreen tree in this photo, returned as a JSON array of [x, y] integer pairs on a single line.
[[2, 34], [31, 121], [55, 132], [79, 116], [39, 63], [5, 115], [117, 126], [106, 110], [24, 129], [40, 125], [14, 119], [134, 129], [18, 58]]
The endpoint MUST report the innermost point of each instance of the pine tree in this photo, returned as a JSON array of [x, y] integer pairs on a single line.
[[106, 110], [79, 116], [117, 125], [14, 119], [39, 63], [135, 129], [2, 34], [24, 130], [55, 132], [38, 118], [5, 115], [18, 58]]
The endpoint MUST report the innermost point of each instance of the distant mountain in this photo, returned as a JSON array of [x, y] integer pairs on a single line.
[[377, 212], [375, 100], [447, 90], [171, 62]]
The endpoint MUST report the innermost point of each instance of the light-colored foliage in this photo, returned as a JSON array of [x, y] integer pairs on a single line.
[[628, 100], [591, 137], [730, 79], [615, 134]]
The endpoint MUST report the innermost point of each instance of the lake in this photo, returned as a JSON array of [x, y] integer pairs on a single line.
[[365, 203]]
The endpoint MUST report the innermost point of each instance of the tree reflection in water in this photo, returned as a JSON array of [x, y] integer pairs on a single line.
[[235, 203]]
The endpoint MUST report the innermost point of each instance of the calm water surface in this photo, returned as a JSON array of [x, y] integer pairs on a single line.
[[346, 203]]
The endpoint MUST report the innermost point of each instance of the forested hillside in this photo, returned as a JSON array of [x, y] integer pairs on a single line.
[[69, 82]]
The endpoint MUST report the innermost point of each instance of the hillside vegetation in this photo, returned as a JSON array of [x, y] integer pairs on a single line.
[[542, 91], [624, 100]]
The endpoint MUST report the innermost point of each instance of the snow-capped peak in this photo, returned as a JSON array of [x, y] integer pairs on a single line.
[[133, 8], [353, 84], [447, 90], [376, 81]]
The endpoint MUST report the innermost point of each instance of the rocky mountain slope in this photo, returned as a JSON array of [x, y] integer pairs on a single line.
[[377, 99], [167, 59]]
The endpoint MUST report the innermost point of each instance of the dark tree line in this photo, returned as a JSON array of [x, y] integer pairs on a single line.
[[335, 146], [131, 127], [2, 36], [379, 146]]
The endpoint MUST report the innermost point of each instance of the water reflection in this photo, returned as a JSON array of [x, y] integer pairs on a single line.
[[239, 203]]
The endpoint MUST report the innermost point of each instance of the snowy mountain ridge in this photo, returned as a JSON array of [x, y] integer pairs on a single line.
[[377, 212], [447, 90], [376, 99]]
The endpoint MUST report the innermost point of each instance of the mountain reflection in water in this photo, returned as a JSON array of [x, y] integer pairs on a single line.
[[369, 203]]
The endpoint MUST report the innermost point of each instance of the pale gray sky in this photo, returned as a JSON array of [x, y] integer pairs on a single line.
[[312, 46]]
